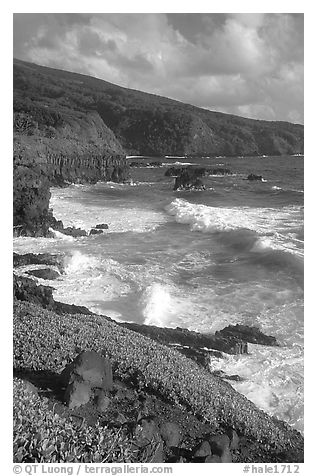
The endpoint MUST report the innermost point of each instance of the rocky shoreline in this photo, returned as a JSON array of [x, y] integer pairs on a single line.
[[141, 404]]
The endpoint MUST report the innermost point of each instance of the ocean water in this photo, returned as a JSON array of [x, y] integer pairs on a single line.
[[201, 260]]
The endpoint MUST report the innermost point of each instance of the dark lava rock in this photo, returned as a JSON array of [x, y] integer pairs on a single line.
[[64, 308], [91, 368], [78, 392], [102, 400], [26, 289], [187, 181], [46, 273], [94, 231], [202, 450], [41, 258], [102, 226], [220, 446], [223, 375], [196, 342], [72, 231], [247, 334], [171, 434], [234, 439], [255, 177]]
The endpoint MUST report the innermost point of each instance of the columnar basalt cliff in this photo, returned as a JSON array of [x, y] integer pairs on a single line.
[[40, 162]]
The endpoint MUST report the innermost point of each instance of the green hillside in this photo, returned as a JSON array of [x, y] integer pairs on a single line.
[[72, 107]]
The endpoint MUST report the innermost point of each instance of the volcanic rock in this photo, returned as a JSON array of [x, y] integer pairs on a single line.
[[78, 392], [247, 334], [94, 231], [102, 226], [171, 434], [92, 368], [45, 273], [41, 258], [255, 177], [202, 450]]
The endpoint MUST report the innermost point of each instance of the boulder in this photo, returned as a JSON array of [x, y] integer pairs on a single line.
[[94, 231], [90, 367], [220, 446], [77, 393], [202, 450], [190, 179], [171, 434], [72, 231], [102, 226], [213, 459], [234, 439], [45, 273], [102, 401], [255, 177]]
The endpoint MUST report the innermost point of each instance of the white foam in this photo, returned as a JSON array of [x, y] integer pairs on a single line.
[[277, 223], [178, 163], [273, 379], [70, 207], [61, 236]]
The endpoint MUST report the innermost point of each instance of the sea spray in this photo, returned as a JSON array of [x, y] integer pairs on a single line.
[[157, 304]]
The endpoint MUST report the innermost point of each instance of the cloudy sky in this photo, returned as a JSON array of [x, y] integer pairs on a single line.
[[246, 64]]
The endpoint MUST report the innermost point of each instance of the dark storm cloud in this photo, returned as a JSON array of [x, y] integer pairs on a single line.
[[247, 64]]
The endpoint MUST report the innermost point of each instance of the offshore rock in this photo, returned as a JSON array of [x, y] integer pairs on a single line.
[[95, 231], [247, 334], [255, 177], [102, 226]]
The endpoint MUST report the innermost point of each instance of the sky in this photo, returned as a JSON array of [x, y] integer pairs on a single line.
[[249, 64]]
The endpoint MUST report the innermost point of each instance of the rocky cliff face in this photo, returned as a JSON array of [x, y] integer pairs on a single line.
[[40, 162]]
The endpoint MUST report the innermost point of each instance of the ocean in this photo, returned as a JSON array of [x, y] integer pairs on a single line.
[[232, 254]]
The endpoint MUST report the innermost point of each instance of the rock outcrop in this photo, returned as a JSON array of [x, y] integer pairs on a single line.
[[26, 289], [41, 258], [189, 179], [247, 334], [252, 177], [39, 163]]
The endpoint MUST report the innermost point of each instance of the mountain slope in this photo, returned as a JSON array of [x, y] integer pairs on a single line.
[[63, 105]]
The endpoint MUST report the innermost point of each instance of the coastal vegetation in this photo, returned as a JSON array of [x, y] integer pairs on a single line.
[[45, 342]]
